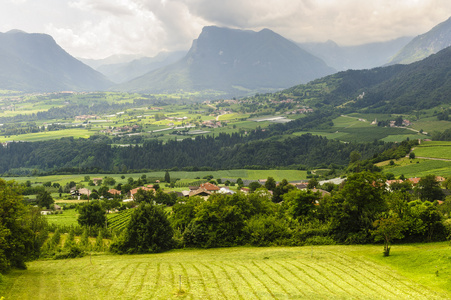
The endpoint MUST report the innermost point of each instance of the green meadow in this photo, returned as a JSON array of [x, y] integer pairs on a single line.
[[278, 175], [49, 135], [311, 272]]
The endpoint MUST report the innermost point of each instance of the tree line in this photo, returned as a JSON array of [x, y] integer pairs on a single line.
[[221, 152]]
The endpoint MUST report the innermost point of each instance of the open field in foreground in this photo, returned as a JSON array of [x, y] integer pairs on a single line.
[[319, 272]]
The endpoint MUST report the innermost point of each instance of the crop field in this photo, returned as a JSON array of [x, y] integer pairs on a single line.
[[419, 167], [119, 221], [432, 124], [49, 135], [401, 137], [434, 149], [351, 129], [320, 272]]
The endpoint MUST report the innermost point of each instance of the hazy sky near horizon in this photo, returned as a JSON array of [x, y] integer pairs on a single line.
[[100, 28]]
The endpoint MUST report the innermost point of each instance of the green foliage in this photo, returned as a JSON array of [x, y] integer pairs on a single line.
[[356, 206], [17, 238], [148, 231], [266, 230], [44, 199], [91, 214], [167, 177], [270, 184], [300, 204], [428, 189], [282, 188], [387, 230]]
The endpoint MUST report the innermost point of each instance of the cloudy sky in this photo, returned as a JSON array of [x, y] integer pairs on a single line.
[[100, 28]]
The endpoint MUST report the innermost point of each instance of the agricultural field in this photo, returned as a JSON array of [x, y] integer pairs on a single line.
[[358, 129], [317, 272], [434, 149], [49, 135], [418, 167], [439, 164]]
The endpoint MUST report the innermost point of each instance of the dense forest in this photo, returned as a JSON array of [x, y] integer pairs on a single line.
[[224, 151]]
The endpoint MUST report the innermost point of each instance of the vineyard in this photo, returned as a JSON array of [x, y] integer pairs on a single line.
[[119, 221], [322, 272]]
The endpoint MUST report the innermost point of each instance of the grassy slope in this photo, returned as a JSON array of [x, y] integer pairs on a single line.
[[320, 272]]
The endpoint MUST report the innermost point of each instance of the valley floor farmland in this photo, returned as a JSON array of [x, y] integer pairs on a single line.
[[318, 272]]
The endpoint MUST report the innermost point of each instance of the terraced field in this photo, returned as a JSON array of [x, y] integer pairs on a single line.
[[327, 272]]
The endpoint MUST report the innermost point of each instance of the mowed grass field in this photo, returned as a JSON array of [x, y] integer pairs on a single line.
[[319, 272]]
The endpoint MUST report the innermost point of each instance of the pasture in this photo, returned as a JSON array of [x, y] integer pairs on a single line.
[[318, 272]]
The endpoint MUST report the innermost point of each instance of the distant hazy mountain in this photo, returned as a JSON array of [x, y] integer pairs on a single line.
[[236, 62], [365, 56], [122, 72], [34, 62], [110, 60], [426, 44]]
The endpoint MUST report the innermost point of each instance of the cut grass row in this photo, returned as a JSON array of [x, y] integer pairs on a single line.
[[322, 272]]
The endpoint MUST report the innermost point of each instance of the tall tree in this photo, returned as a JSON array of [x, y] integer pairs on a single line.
[[356, 206], [428, 189], [167, 177], [387, 230], [270, 184], [44, 199]]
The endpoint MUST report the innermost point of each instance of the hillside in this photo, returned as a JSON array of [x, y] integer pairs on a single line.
[[426, 44], [35, 63], [236, 62], [392, 89]]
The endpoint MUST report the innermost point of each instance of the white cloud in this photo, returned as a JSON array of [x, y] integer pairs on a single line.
[[98, 28]]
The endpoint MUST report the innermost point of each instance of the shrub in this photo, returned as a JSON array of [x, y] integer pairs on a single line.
[[148, 231], [264, 230]]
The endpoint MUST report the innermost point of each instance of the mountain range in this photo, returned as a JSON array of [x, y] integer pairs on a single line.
[[230, 61], [359, 57], [234, 61], [34, 62]]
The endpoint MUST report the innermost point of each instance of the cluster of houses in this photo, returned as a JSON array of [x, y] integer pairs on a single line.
[[303, 110]]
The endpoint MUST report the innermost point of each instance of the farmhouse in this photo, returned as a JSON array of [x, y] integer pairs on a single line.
[[205, 189], [114, 192], [135, 190]]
